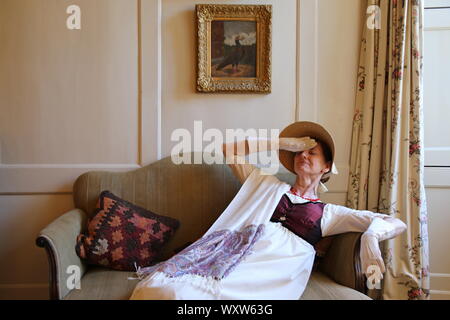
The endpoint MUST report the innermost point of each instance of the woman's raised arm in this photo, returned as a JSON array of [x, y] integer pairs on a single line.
[[254, 144], [234, 152]]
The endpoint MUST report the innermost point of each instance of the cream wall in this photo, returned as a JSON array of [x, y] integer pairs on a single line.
[[109, 95], [182, 105]]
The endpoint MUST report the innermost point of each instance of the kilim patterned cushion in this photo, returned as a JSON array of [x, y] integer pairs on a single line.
[[120, 234]]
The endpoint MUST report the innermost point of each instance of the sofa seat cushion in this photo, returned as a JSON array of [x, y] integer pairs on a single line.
[[100, 283], [321, 287], [106, 284]]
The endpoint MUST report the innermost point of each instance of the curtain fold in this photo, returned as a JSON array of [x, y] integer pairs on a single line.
[[387, 156]]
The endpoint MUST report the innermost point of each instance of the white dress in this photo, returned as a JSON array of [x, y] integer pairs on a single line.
[[276, 266]]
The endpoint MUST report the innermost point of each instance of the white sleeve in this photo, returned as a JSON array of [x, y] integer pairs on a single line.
[[339, 219]]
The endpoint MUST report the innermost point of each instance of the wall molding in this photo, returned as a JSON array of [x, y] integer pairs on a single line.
[[307, 64], [139, 82], [445, 295], [436, 29], [440, 285], [437, 177], [150, 46], [49, 178], [69, 166], [297, 61]]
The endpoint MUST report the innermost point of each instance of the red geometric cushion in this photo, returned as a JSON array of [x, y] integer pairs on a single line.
[[120, 234]]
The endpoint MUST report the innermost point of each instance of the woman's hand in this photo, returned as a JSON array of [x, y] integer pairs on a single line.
[[370, 255], [296, 144]]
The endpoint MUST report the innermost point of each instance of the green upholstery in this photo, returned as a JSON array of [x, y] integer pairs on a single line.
[[60, 236], [322, 287], [195, 194], [104, 284]]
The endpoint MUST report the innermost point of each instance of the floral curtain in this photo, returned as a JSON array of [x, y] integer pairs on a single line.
[[387, 156]]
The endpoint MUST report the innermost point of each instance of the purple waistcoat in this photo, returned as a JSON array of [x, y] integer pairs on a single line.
[[303, 219]]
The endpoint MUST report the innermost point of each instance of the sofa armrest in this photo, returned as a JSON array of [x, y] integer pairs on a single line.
[[59, 239], [342, 263]]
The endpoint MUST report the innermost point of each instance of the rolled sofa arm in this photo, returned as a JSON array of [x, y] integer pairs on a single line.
[[342, 263], [59, 239]]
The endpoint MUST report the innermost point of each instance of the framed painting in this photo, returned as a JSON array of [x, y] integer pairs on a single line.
[[234, 48]]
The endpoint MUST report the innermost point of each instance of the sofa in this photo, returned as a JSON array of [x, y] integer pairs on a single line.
[[195, 194]]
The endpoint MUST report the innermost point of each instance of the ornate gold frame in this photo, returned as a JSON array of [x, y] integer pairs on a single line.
[[262, 14]]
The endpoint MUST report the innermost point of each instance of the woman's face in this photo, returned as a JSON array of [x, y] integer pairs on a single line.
[[311, 162]]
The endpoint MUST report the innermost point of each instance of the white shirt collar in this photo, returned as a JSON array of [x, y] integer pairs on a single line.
[[297, 199]]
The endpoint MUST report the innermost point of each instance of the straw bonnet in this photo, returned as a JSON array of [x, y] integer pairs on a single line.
[[306, 129]]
